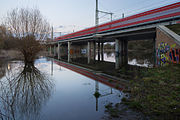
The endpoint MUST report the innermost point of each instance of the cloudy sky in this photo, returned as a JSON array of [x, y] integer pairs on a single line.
[[71, 15]]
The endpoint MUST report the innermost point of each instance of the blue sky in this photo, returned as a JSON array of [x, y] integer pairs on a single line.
[[69, 15]]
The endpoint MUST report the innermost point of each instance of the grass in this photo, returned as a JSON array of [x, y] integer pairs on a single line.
[[113, 111], [175, 28], [156, 92]]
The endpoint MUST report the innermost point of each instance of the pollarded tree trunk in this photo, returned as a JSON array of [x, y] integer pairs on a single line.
[[29, 47]]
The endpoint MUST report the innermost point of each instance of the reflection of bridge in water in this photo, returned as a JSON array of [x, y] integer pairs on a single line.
[[91, 74]]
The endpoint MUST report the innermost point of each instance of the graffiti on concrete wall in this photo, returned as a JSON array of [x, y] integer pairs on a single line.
[[167, 54], [174, 55]]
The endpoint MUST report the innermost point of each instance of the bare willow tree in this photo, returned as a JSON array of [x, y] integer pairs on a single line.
[[29, 28]]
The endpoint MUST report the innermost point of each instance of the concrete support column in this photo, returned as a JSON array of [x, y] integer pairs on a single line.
[[89, 52], [94, 50], [102, 51], [54, 50], [117, 45], [125, 52], [118, 53], [59, 52], [98, 51], [69, 48], [50, 50]]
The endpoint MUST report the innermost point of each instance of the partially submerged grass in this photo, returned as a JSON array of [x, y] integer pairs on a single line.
[[113, 111], [157, 92]]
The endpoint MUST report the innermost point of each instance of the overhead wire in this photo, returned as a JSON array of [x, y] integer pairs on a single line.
[[139, 9]]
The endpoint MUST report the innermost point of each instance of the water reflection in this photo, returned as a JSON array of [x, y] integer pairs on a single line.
[[138, 58], [23, 92], [98, 95], [26, 92]]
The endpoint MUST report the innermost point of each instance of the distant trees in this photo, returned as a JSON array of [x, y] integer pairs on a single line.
[[109, 46], [27, 27], [6, 38], [2, 36]]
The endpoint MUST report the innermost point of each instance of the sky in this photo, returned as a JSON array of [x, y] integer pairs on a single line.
[[67, 16]]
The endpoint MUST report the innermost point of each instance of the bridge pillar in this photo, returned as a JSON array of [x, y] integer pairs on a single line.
[[94, 50], [98, 51], [69, 51], [118, 53], [50, 50], [102, 51], [59, 52], [54, 50], [125, 52], [89, 52]]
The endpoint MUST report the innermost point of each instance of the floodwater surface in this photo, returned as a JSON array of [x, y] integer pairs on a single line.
[[48, 91], [137, 58]]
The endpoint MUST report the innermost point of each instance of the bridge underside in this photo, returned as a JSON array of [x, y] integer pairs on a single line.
[[92, 47]]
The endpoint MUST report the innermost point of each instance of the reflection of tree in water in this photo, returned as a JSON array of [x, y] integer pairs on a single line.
[[141, 50], [23, 94], [109, 53], [140, 56]]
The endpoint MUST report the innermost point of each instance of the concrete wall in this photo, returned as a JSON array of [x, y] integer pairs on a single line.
[[78, 51], [167, 49]]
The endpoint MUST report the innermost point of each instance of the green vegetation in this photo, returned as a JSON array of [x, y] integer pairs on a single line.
[[157, 92], [97, 94], [140, 45], [112, 110], [175, 28]]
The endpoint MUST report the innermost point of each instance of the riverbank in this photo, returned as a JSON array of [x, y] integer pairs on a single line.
[[156, 93], [153, 91], [10, 55], [16, 55]]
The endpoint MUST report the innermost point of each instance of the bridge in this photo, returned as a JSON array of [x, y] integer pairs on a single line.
[[149, 25]]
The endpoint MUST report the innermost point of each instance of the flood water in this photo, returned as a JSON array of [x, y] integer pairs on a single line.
[[138, 58], [48, 91]]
